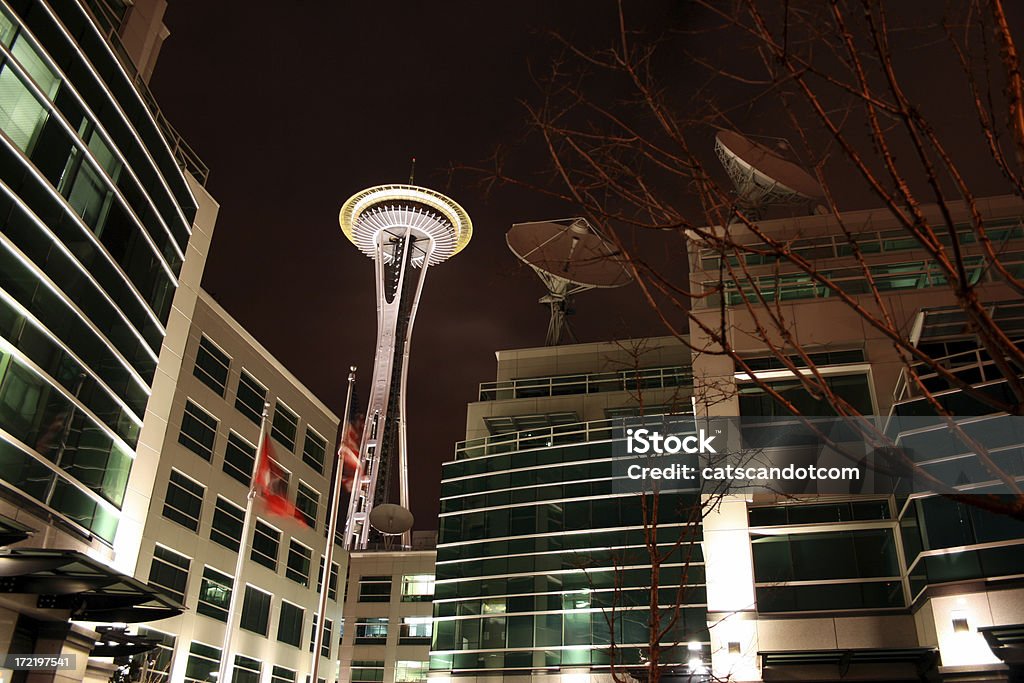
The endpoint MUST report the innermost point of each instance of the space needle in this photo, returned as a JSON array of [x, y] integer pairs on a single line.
[[404, 229]]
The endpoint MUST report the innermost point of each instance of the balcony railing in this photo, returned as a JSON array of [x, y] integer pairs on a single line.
[[591, 383]]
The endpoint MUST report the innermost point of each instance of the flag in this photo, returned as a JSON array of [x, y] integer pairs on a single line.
[[349, 454], [271, 485]]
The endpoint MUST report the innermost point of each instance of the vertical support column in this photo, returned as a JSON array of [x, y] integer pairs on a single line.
[[63, 638]]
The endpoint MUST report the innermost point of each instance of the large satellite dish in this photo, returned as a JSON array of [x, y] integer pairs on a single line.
[[569, 256], [762, 176], [390, 519]]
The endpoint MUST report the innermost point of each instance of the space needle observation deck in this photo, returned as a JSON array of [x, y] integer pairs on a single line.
[[404, 229]]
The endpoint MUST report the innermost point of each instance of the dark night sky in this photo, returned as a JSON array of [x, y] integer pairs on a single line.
[[296, 105]]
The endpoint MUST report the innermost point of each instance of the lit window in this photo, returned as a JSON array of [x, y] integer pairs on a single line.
[[410, 671], [415, 629], [215, 594], [371, 630], [417, 587]]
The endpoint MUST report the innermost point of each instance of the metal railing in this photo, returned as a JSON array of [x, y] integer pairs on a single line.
[[109, 24], [591, 383]]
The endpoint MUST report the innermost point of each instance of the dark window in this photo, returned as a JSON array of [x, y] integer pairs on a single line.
[[228, 519], [198, 431], [307, 500], [212, 366], [251, 397], [374, 588], [215, 594], [203, 660], [313, 450], [285, 426], [325, 643], [279, 674], [332, 587], [184, 502], [299, 559], [159, 657], [367, 671], [289, 626], [247, 670], [169, 570], [265, 543], [255, 610], [239, 459]]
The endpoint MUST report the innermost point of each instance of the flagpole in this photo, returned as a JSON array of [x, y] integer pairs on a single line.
[[234, 615], [332, 530]]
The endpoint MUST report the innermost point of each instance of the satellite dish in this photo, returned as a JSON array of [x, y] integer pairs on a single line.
[[761, 175], [569, 256], [390, 519]]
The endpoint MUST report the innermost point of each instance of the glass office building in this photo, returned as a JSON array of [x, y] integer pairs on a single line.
[[541, 566], [97, 215]]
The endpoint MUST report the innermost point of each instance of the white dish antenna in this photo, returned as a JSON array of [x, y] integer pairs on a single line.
[[569, 256], [762, 176], [390, 519]]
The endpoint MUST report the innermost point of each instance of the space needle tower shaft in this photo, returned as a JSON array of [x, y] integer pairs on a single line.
[[404, 229]]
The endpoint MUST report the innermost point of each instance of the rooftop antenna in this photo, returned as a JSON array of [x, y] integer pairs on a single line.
[[569, 256], [762, 176], [412, 172]]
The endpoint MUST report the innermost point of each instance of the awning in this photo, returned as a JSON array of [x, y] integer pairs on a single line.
[[114, 642], [92, 591], [1006, 642], [12, 531]]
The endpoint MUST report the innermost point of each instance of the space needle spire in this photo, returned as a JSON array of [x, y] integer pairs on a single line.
[[405, 229]]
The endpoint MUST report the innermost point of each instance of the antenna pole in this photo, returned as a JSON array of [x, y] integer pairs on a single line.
[[412, 172]]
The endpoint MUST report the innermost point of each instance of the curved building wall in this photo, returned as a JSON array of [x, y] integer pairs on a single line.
[[95, 220]]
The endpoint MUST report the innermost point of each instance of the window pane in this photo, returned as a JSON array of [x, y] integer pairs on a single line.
[[289, 627], [313, 450], [228, 519], [280, 674], [239, 459], [299, 557], [184, 501], [307, 500], [374, 589], [247, 670], [250, 398], [265, 543], [169, 571], [417, 587], [255, 611], [212, 366], [198, 430], [203, 660], [214, 594], [285, 426]]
